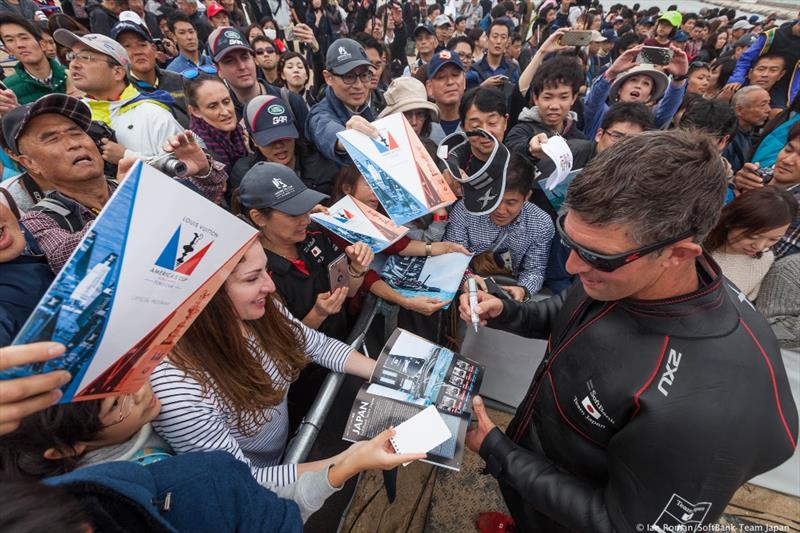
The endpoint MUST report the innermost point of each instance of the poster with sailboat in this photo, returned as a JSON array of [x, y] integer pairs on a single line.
[[399, 169], [355, 221], [144, 270], [435, 277]]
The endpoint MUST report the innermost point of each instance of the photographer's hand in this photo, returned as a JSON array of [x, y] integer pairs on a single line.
[[184, 147]]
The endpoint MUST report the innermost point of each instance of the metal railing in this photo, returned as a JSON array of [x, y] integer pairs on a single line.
[[299, 447]]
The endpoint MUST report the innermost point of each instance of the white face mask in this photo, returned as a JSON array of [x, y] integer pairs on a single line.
[[270, 33]]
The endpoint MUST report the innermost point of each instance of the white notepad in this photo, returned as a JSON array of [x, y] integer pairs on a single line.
[[421, 433]]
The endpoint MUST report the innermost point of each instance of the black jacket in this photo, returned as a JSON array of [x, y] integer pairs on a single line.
[[642, 412], [101, 20]]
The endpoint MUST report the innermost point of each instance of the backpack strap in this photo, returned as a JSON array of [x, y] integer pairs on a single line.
[[64, 211]]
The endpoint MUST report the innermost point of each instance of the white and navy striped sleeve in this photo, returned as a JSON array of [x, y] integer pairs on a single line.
[[320, 348], [190, 421]]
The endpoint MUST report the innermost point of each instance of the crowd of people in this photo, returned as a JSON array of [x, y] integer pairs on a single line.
[[677, 247]]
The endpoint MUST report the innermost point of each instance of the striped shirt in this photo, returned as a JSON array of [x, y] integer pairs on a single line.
[[193, 420], [527, 238]]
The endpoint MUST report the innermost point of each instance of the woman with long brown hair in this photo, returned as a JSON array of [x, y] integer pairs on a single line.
[[224, 385], [749, 226]]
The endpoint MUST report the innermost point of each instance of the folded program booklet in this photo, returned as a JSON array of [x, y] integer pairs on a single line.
[[411, 374]]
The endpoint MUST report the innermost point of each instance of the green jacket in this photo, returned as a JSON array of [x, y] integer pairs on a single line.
[[29, 90]]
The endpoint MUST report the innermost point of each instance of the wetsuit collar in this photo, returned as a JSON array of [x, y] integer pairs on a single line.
[[676, 315]]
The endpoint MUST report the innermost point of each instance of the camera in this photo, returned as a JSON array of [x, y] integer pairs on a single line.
[[766, 174], [168, 164]]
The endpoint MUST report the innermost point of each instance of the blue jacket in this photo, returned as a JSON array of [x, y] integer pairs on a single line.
[[193, 492], [325, 120], [23, 281], [595, 106], [769, 148], [780, 41]]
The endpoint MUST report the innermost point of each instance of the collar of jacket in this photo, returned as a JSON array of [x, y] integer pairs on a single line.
[[59, 74], [682, 315], [102, 110], [342, 111]]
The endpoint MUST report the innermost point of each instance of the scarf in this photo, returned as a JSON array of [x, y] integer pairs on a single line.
[[226, 147]]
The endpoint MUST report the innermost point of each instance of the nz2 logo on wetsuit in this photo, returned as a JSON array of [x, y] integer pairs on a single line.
[[668, 377]]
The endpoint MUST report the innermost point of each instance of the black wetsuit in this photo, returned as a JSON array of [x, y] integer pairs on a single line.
[[642, 412]]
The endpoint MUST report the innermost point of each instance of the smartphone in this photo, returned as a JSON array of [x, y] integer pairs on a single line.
[[766, 174], [575, 38], [655, 55], [3, 86], [337, 273]]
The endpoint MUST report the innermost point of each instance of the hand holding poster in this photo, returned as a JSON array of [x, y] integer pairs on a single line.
[[150, 262], [399, 169], [355, 221], [410, 375]]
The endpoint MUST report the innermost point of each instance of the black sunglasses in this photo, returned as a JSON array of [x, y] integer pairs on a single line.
[[610, 263]]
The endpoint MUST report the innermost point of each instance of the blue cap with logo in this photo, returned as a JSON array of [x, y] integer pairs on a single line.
[[268, 119], [442, 58]]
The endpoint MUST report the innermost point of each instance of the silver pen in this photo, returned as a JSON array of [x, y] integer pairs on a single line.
[[473, 302]]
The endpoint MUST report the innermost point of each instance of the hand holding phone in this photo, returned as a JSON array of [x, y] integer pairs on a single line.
[[575, 38], [655, 55], [337, 273]]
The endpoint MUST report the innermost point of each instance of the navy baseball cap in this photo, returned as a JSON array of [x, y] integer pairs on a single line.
[[268, 119], [610, 35], [276, 186], [130, 21], [647, 21], [680, 36], [442, 58], [425, 26], [224, 40], [345, 55]]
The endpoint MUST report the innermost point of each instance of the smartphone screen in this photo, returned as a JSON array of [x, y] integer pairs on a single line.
[[337, 273]]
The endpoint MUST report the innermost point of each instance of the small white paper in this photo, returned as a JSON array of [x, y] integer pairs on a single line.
[[421, 433], [558, 150]]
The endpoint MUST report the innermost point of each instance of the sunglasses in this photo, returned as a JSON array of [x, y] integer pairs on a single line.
[[264, 51], [610, 263], [192, 73]]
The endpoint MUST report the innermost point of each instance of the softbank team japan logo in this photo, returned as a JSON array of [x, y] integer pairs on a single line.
[[184, 251], [679, 515], [590, 408]]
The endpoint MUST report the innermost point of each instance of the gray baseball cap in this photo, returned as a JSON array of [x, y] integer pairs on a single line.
[[275, 186], [344, 55]]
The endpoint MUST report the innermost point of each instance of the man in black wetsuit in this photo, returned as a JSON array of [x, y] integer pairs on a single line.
[[662, 390]]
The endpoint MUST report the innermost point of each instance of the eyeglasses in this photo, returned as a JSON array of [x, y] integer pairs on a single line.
[[192, 73], [419, 114], [610, 263], [125, 409], [699, 64], [614, 134], [351, 77], [465, 57], [84, 57], [264, 51]]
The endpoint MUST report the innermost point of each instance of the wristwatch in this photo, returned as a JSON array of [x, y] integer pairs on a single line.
[[680, 78], [428, 248]]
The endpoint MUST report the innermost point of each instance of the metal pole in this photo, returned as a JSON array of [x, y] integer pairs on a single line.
[[300, 445]]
